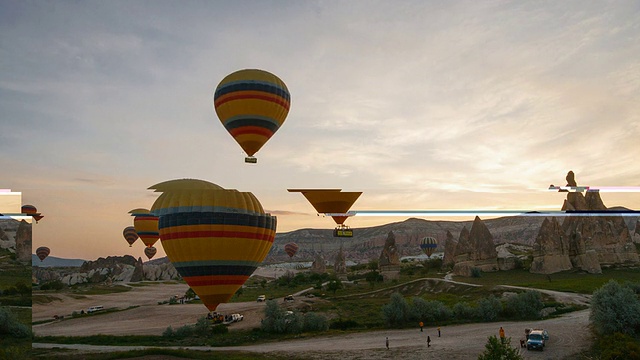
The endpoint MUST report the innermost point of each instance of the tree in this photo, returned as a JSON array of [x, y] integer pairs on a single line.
[[488, 308], [373, 264], [526, 305], [373, 277], [615, 308], [190, 294], [499, 350], [396, 313], [334, 285]]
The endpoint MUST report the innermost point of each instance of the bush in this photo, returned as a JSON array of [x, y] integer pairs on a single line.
[[476, 272], [10, 326], [428, 311], [396, 313], [219, 329], [615, 309], [497, 349], [617, 346], [526, 305], [463, 311], [52, 285], [184, 331], [488, 308], [276, 320], [315, 322], [343, 324], [168, 332]]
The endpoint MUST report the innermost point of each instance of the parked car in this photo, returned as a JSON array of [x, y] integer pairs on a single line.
[[95, 308], [262, 298], [237, 317], [288, 298], [535, 340]]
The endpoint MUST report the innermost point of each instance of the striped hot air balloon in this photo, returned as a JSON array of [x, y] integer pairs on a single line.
[[428, 245], [130, 235], [252, 105], [214, 237], [150, 251], [32, 211], [146, 226], [42, 253], [291, 249]]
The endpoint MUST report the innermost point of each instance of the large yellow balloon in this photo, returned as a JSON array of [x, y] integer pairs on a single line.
[[214, 237], [252, 105]]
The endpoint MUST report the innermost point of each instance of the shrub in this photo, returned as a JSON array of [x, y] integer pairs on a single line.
[[497, 349], [463, 311], [615, 309], [617, 346], [219, 329], [343, 324], [168, 332], [526, 305], [10, 326], [488, 308], [315, 322], [396, 313], [476, 272], [184, 331], [428, 311]]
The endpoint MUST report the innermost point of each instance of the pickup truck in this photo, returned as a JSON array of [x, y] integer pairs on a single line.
[[536, 340]]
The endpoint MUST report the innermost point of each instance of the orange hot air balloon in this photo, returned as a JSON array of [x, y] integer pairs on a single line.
[[332, 201], [150, 251], [252, 105], [32, 211], [130, 235], [42, 253], [146, 226], [214, 237], [291, 249]]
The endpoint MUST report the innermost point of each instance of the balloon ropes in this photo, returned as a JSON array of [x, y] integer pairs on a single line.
[[428, 245], [42, 253], [130, 235], [214, 237], [332, 201], [31, 211], [252, 105]]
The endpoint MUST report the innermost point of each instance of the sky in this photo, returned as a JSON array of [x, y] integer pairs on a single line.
[[424, 105]]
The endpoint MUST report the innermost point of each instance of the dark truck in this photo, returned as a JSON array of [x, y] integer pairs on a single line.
[[535, 339]]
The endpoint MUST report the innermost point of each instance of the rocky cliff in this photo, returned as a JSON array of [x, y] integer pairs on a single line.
[[551, 250], [478, 250]]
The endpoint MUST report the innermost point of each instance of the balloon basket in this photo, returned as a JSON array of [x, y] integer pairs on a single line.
[[342, 231], [250, 160]]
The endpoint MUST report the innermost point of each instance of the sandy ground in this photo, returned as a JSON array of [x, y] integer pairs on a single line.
[[568, 334]]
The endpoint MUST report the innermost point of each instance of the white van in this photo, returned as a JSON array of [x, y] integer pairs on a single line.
[[95, 308]]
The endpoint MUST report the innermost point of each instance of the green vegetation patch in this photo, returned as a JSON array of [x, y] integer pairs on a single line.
[[149, 353]]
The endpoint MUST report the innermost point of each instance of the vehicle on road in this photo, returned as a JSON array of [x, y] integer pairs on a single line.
[[95, 308], [262, 298], [535, 340]]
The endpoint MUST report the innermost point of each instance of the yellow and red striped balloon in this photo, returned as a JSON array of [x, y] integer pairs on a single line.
[[252, 105], [146, 226], [214, 237]]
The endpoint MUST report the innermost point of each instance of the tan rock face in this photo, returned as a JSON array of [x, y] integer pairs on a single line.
[[475, 250], [551, 250], [319, 266], [340, 265], [449, 250], [389, 255], [23, 242]]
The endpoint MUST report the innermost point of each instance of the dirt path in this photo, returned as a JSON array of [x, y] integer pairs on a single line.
[[457, 342]]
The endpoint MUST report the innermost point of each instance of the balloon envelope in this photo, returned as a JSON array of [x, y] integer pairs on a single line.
[[42, 252], [428, 245], [130, 235], [291, 249], [214, 237], [33, 211], [252, 105], [146, 226], [330, 201], [150, 251]]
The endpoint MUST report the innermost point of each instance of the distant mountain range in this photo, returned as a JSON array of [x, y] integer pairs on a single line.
[[52, 261]]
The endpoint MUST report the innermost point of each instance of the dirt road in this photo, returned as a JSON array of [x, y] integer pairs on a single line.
[[568, 334]]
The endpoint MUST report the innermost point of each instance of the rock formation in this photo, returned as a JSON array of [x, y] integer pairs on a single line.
[[319, 264], [636, 233], [449, 250], [23, 242], [340, 265], [551, 250], [389, 255], [477, 251]]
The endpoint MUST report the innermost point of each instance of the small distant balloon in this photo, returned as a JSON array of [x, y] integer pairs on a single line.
[[291, 249], [130, 235], [428, 245], [252, 104], [150, 251], [146, 226], [32, 211], [42, 253]]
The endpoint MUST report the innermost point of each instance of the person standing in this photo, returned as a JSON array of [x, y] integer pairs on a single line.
[[438, 331], [501, 334], [428, 341], [387, 343], [421, 325]]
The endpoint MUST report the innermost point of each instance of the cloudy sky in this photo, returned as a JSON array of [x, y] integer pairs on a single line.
[[419, 104]]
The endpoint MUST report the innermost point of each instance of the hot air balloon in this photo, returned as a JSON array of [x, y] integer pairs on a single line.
[[42, 253], [252, 105], [146, 226], [428, 245], [214, 237], [150, 251], [327, 201], [130, 235], [32, 211], [291, 249]]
